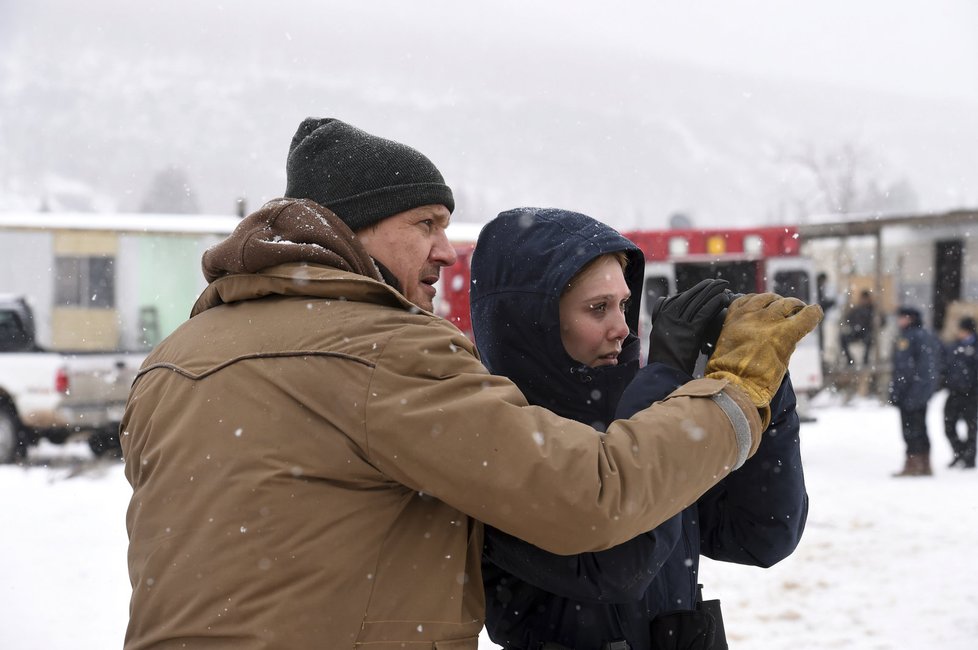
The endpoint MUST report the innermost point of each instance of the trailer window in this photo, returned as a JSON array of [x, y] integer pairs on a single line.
[[85, 282], [793, 284]]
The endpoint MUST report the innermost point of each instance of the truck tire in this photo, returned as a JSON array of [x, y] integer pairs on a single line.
[[105, 443], [12, 444]]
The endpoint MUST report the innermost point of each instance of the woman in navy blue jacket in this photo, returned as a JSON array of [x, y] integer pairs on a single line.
[[643, 592]]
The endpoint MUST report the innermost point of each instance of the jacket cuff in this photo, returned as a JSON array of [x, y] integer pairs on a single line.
[[749, 411], [736, 405], [740, 424]]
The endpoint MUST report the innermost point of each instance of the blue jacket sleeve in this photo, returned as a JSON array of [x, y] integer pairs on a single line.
[[756, 515], [619, 574], [653, 382]]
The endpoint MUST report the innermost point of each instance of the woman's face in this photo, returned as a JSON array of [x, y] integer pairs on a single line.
[[592, 313]]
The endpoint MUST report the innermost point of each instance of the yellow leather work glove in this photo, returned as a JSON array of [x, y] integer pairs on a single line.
[[757, 339]]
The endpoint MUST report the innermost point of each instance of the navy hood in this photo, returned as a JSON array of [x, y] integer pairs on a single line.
[[523, 260]]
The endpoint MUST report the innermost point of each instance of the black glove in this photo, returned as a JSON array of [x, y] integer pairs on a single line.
[[682, 323]]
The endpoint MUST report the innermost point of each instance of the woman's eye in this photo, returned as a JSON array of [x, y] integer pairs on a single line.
[[624, 305], [599, 307]]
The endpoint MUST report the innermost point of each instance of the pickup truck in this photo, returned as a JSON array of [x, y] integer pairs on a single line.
[[57, 395]]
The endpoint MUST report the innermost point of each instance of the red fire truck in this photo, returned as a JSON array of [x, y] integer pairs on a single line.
[[753, 260]]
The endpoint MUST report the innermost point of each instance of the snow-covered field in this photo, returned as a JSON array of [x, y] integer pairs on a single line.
[[885, 563]]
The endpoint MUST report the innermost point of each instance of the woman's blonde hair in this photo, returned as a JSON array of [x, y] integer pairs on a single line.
[[619, 256]]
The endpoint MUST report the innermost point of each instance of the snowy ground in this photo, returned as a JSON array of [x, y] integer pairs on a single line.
[[885, 563]]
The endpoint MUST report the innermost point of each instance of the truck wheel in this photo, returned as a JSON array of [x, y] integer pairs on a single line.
[[12, 445], [105, 443]]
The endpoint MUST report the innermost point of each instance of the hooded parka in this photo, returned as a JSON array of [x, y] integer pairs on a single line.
[[524, 260], [311, 456]]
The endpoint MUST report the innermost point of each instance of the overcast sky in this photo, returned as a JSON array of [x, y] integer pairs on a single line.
[[925, 47], [916, 47]]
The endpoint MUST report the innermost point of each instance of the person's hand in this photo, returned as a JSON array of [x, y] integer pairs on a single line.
[[682, 322], [756, 342]]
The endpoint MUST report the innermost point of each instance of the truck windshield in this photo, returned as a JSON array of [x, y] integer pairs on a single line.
[[13, 338], [792, 284]]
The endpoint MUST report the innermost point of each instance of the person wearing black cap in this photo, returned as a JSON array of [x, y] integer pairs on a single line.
[[961, 380], [313, 453], [916, 358]]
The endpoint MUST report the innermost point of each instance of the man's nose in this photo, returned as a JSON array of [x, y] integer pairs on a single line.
[[443, 253]]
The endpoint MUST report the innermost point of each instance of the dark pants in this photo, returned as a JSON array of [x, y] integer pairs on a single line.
[[961, 407], [914, 424], [866, 338]]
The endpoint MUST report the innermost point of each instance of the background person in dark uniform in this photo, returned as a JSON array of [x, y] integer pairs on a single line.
[[916, 359], [961, 380]]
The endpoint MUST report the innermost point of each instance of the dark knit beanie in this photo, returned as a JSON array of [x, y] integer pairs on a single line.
[[362, 178]]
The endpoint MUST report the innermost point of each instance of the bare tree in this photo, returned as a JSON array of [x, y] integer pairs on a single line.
[[839, 180]]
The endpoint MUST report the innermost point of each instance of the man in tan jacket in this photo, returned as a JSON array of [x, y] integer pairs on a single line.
[[313, 452]]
